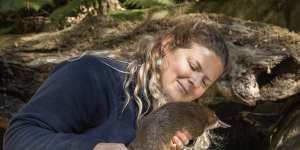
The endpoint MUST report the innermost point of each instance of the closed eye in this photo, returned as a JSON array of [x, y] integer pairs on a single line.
[[194, 66]]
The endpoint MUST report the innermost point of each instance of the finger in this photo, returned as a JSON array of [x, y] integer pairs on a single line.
[[177, 141], [187, 134], [172, 145], [183, 137]]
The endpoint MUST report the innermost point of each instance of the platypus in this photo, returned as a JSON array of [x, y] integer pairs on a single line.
[[156, 130]]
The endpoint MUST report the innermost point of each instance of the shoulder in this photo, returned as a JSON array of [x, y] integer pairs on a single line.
[[93, 63]]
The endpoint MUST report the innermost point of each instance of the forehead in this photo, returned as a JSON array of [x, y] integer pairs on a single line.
[[210, 63]]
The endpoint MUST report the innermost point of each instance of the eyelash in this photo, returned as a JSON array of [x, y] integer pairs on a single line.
[[192, 67], [204, 83]]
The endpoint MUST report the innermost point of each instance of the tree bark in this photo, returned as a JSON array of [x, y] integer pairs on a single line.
[[264, 58]]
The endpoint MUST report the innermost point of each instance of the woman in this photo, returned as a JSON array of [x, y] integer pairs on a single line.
[[95, 103]]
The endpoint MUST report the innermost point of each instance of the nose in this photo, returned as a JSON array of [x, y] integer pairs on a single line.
[[196, 79]]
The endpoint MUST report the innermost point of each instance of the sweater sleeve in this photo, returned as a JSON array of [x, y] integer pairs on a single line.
[[67, 104]]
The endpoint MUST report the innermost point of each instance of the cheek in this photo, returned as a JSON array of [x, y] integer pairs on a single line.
[[177, 69], [167, 77], [199, 92], [180, 68], [171, 73]]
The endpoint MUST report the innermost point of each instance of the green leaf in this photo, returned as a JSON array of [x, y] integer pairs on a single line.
[[6, 30], [72, 8], [38, 4], [11, 5], [16, 5]]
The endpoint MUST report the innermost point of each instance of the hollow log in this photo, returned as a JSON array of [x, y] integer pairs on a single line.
[[265, 59]]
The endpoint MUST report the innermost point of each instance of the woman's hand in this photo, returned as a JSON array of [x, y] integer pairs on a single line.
[[181, 138], [110, 146]]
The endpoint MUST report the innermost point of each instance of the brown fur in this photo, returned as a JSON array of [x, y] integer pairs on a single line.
[[156, 130]]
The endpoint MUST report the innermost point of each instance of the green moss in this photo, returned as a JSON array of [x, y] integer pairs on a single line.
[[130, 15], [152, 13], [268, 11], [6, 30]]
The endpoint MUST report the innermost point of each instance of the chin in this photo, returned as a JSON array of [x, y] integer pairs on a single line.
[[175, 98], [172, 99], [181, 99]]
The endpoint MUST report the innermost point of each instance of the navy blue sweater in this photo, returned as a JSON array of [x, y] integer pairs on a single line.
[[78, 106]]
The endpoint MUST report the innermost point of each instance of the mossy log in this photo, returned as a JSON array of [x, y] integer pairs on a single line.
[[264, 58]]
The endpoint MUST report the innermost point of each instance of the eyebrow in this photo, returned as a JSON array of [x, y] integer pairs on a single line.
[[201, 68]]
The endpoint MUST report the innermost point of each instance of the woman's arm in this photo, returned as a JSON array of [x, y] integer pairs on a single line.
[[68, 103]]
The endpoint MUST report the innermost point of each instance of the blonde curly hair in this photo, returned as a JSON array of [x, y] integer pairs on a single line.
[[144, 71]]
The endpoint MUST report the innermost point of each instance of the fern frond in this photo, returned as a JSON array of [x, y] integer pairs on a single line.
[[16, 5], [11, 5], [37, 4], [71, 9]]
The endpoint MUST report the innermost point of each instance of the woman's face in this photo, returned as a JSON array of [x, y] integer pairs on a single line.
[[187, 72]]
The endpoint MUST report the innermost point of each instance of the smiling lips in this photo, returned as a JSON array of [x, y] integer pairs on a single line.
[[181, 86]]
